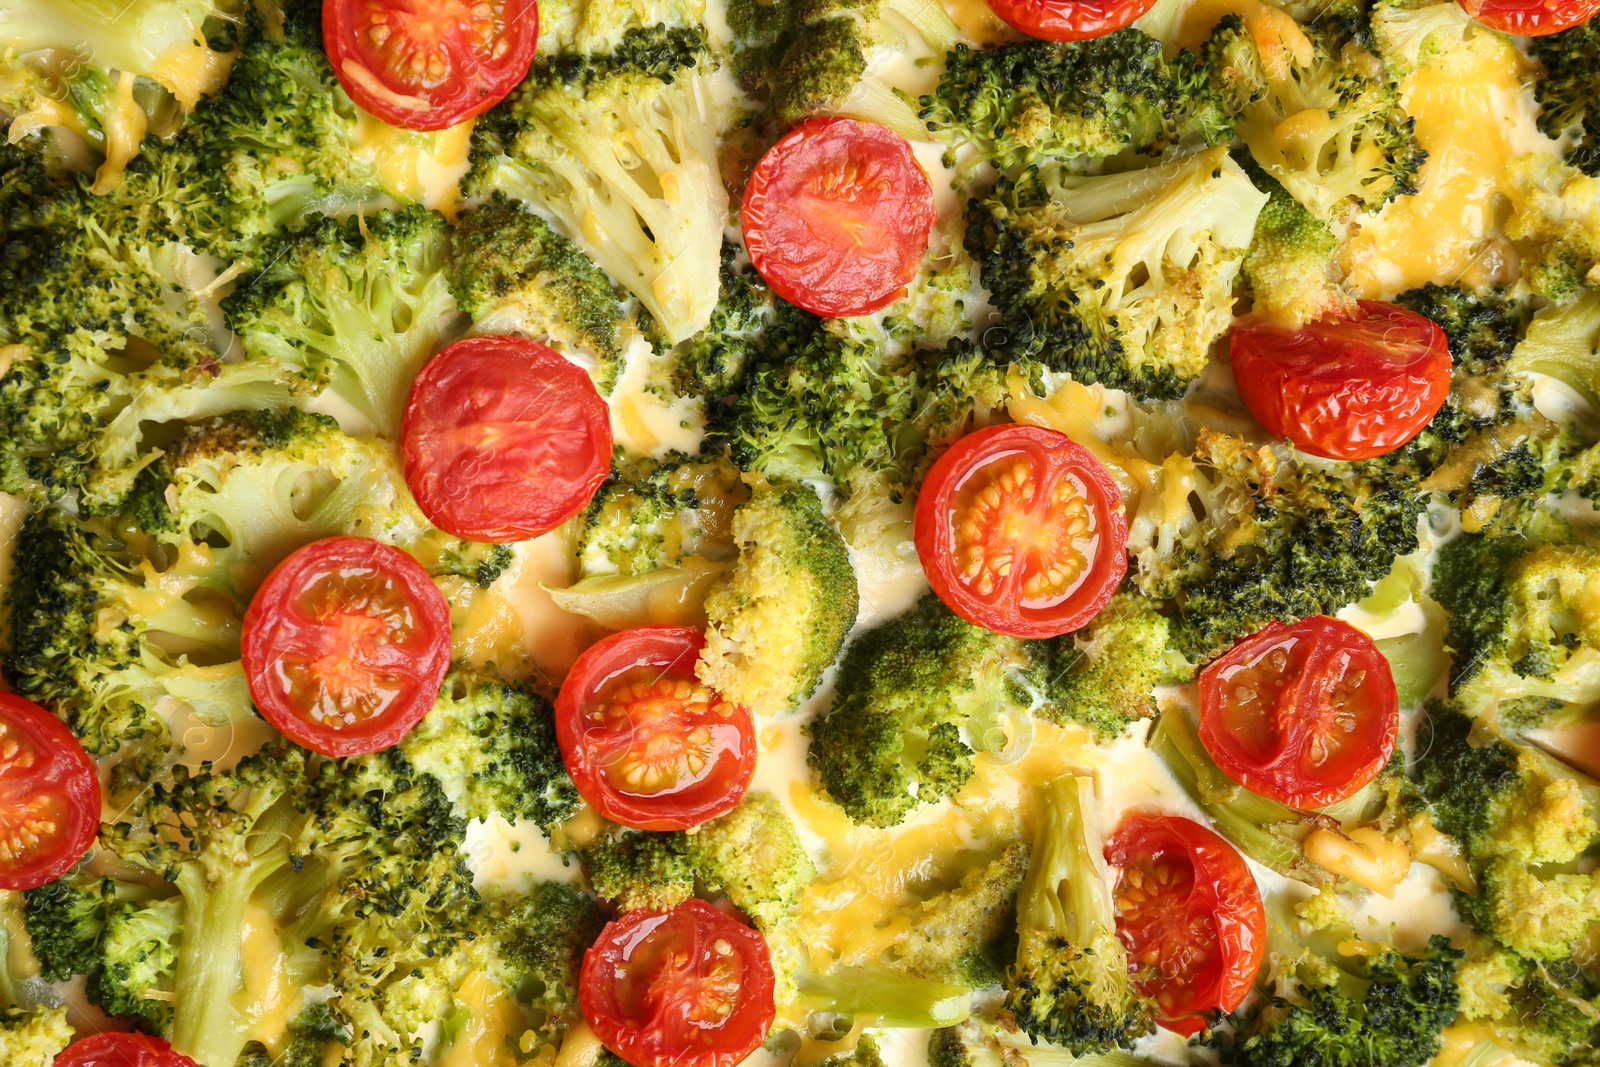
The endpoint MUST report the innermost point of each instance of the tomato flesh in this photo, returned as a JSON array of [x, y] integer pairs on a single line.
[[1531, 18], [1348, 388], [504, 439], [1021, 531], [836, 216], [345, 646], [49, 796], [647, 744], [113, 1049], [1305, 714], [690, 987], [1189, 913], [1069, 20], [429, 64]]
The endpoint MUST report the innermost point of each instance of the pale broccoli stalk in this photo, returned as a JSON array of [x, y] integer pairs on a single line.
[[1563, 341]]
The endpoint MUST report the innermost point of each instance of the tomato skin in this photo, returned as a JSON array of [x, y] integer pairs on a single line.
[[1282, 750], [1219, 902], [115, 1049], [836, 216], [475, 75], [1350, 388], [44, 775], [590, 748], [503, 439], [1053, 458], [650, 1019], [295, 636], [1531, 18], [1069, 20]]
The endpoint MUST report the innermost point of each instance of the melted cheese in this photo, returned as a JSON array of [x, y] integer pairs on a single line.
[[425, 168], [124, 124], [270, 1000], [513, 856], [191, 70], [643, 420], [491, 1017]]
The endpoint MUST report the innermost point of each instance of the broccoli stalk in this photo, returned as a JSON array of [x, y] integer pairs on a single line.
[[886, 997], [977, 1044]]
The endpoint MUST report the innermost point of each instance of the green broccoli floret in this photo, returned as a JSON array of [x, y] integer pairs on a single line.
[[753, 856], [512, 273], [893, 737], [1555, 227], [33, 1037], [1522, 819], [64, 921], [1070, 985], [590, 26], [712, 362], [1103, 676], [967, 934], [621, 148], [137, 954], [1289, 266], [807, 57], [978, 1044], [1360, 151], [538, 941], [641, 869], [1567, 92], [365, 302], [1483, 327], [657, 513], [1547, 1011], [779, 619], [493, 745], [1026, 102], [1121, 279]]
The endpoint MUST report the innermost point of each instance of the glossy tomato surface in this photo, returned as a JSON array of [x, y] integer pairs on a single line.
[[1190, 914], [49, 796], [504, 439], [1305, 714], [429, 64], [1531, 18], [690, 987], [121, 1050], [1021, 531], [345, 646], [648, 745], [1349, 388], [1069, 20], [836, 216]]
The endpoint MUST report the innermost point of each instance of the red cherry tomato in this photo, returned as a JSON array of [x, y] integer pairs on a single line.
[[1349, 388], [1190, 914], [690, 987], [646, 744], [428, 64], [836, 216], [1531, 18], [1021, 531], [49, 796], [121, 1050], [345, 645], [1069, 20], [504, 440], [1305, 714]]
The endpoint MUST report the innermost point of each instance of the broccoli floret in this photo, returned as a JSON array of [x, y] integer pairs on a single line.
[[512, 273], [1555, 225], [1103, 676], [1522, 819], [311, 1035], [1567, 92], [364, 302], [33, 1037], [754, 857], [656, 513], [1360, 151], [1521, 628], [641, 869], [712, 363], [976, 1043], [1289, 266], [967, 934], [493, 745], [1026, 102], [1545, 1011], [137, 955], [1482, 327], [538, 943], [777, 622], [624, 145], [1071, 985], [803, 57], [1121, 279], [64, 920], [591, 26], [893, 737]]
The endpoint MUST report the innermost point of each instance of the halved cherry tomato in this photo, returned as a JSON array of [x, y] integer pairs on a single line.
[[345, 646], [646, 744], [1190, 914], [121, 1050], [1305, 714], [49, 796], [1021, 531], [1349, 388], [1069, 20], [428, 64], [690, 987], [836, 216], [504, 440], [1531, 18]]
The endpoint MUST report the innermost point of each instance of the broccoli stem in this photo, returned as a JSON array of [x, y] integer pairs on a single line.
[[1078, 907], [888, 997]]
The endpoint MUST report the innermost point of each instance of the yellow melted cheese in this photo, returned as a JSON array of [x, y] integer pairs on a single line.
[[124, 124], [424, 168], [492, 1018], [192, 70], [270, 999]]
